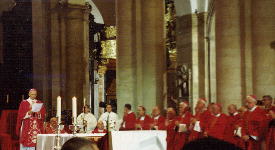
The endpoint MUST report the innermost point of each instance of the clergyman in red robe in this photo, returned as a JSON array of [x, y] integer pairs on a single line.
[[30, 121], [217, 124], [129, 119], [52, 127], [254, 124], [182, 123], [200, 119], [158, 122], [144, 121], [170, 127], [233, 119]]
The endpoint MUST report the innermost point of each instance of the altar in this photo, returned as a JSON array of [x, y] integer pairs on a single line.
[[118, 140], [47, 141]]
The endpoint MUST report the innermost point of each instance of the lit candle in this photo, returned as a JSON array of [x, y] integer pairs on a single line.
[[7, 98], [74, 108], [84, 101], [58, 109]]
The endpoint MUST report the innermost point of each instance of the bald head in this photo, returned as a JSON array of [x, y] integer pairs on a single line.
[[250, 102], [155, 111], [170, 112], [32, 93]]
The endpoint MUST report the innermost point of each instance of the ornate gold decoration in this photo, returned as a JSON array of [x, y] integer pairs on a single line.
[[110, 32], [170, 24], [108, 49]]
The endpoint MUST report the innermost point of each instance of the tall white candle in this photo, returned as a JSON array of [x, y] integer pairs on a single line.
[[84, 101], [74, 108], [23, 97], [58, 109], [7, 98]]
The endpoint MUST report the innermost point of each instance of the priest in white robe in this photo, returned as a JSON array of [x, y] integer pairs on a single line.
[[86, 120], [110, 119]]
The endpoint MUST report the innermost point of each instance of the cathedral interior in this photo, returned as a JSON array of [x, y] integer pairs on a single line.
[[142, 52]]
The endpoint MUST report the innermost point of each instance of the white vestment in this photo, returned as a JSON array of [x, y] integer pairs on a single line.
[[113, 120], [90, 119]]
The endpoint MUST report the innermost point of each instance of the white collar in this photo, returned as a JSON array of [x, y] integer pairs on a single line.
[[236, 113], [218, 115], [100, 130], [252, 109], [31, 101], [157, 117], [129, 112]]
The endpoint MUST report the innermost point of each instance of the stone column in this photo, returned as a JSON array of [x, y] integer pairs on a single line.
[[76, 48], [140, 53], [153, 53], [229, 68], [41, 55], [263, 33], [125, 67]]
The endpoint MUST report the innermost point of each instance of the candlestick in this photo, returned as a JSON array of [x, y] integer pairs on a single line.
[[58, 109], [74, 108], [7, 98]]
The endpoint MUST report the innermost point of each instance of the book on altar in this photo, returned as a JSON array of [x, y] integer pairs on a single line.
[[36, 107], [182, 128]]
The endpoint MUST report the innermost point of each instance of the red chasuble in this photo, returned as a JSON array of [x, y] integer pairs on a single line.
[[129, 122], [145, 122], [170, 128], [231, 128], [159, 123], [96, 130], [203, 118], [254, 123], [216, 126], [181, 138], [29, 127], [52, 130]]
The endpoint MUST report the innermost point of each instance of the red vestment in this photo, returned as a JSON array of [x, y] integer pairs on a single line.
[[238, 140], [181, 138], [145, 122], [230, 130], [159, 122], [129, 121], [170, 128], [203, 118], [216, 126], [254, 125], [30, 126], [52, 130], [96, 130]]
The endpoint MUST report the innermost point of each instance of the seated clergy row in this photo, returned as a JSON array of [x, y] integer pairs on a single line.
[[249, 127]]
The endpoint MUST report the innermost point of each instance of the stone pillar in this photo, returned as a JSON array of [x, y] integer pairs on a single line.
[[153, 53], [125, 67], [76, 22], [228, 53], [198, 57], [140, 53], [263, 34], [41, 55]]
